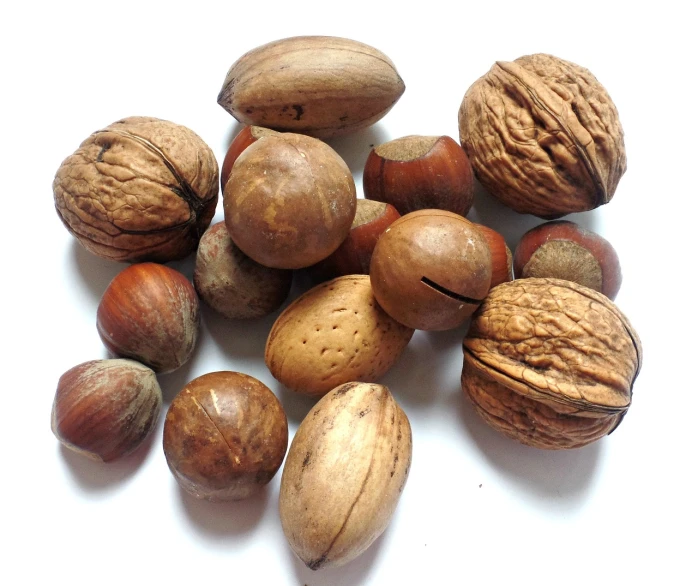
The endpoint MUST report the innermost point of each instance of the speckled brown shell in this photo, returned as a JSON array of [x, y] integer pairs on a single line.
[[344, 474], [225, 436], [232, 283], [289, 201], [550, 363], [321, 86], [333, 334], [543, 136], [141, 189]]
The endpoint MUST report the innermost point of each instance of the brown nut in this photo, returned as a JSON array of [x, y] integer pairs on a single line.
[[353, 257], [344, 474], [289, 201], [420, 172], [431, 269], [321, 86], [501, 255], [543, 136], [232, 283], [550, 363], [242, 140], [225, 436], [105, 409], [565, 250], [333, 334], [140, 189], [150, 312]]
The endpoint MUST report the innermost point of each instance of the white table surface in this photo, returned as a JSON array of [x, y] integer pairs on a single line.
[[478, 508]]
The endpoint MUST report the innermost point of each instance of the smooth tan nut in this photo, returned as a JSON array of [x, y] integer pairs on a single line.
[[289, 201], [242, 140], [431, 269], [225, 436], [105, 409], [141, 189], [502, 259], [420, 172], [353, 257], [150, 313], [550, 363], [333, 334], [565, 250], [321, 86], [543, 136], [232, 283], [345, 471]]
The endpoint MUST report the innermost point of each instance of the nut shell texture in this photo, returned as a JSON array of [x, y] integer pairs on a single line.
[[150, 312], [104, 409], [225, 436], [321, 86], [550, 363], [344, 474], [333, 334], [543, 136], [141, 189]]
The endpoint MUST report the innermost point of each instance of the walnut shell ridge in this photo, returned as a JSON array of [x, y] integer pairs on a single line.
[[543, 136], [550, 363], [141, 189]]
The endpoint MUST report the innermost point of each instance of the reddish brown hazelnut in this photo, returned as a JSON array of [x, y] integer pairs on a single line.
[[564, 250], [353, 257], [104, 409], [501, 255], [150, 312], [232, 283], [225, 436], [431, 269], [420, 172], [242, 140], [289, 201]]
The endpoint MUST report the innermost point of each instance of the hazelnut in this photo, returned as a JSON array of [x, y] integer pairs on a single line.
[[565, 250], [420, 172], [289, 201], [104, 409], [242, 140], [141, 189], [431, 269], [353, 257], [150, 312], [225, 436], [232, 283], [501, 255]]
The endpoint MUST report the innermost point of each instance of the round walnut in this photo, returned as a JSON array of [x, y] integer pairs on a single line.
[[543, 136], [141, 189], [289, 201], [550, 363]]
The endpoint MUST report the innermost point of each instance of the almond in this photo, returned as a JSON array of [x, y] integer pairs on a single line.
[[321, 86], [344, 474], [333, 334]]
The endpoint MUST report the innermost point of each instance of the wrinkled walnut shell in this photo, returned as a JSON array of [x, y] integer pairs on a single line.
[[550, 363], [141, 189], [543, 136]]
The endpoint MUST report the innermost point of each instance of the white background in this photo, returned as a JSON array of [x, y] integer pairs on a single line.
[[477, 508]]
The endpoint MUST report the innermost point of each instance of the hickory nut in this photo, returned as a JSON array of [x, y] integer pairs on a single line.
[[344, 474], [104, 409], [141, 189], [550, 363], [321, 86], [543, 136]]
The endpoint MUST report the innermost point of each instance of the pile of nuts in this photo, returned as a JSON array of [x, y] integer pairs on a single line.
[[549, 360]]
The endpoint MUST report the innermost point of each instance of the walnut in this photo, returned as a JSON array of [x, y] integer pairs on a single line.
[[543, 136], [141, 189], [550, 363]]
